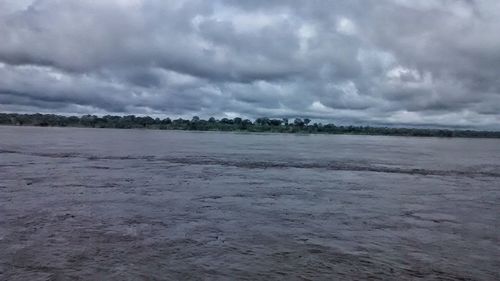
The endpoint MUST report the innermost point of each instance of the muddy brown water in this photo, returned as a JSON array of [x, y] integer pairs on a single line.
[[99, 204]]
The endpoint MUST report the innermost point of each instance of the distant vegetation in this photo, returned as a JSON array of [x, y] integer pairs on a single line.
[[284, 125]]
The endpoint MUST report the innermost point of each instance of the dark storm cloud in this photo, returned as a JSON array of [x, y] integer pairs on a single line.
[[373, 62]]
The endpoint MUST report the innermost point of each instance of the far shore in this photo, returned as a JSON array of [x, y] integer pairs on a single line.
[[238, 125]]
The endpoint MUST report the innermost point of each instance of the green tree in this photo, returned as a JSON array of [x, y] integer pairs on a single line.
[[298, 122]]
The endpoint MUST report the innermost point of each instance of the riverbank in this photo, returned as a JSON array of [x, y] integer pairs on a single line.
[[260, 125]]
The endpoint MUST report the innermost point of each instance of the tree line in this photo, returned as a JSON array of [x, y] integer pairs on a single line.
[[284, 125]]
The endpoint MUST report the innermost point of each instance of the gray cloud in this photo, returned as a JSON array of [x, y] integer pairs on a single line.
[[366, 62]]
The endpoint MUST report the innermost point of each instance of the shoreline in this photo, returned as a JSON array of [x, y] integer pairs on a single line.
[[275, 132]]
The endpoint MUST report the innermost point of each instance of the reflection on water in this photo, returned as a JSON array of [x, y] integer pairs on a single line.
[[115, 204]]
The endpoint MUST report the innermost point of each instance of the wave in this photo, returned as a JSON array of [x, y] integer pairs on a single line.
[[249, 164]]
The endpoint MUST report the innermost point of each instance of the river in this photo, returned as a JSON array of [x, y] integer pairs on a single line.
[[109, 204]]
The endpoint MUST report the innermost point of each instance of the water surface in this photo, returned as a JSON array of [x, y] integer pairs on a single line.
[[158, 205]]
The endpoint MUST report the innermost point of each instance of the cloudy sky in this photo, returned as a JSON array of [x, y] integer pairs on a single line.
[[378, 62]]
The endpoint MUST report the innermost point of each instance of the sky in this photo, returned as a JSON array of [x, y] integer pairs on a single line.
[[375, 62]]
